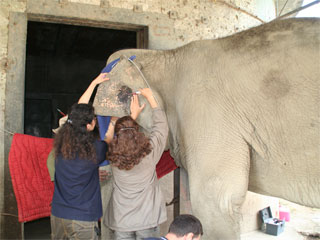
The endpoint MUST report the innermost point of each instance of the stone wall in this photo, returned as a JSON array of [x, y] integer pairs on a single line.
[[170, 24]]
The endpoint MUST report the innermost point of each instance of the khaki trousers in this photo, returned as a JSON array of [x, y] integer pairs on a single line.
[[73, 229], [137, 235]]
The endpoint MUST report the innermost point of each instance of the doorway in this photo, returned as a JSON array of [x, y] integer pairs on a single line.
[[61, 61]]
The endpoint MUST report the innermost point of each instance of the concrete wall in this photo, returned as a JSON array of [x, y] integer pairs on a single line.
[[170, 23]]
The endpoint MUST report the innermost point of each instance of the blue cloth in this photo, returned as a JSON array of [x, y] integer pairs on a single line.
[[103, 122], [111, 65], [77, 193], [104, 163]]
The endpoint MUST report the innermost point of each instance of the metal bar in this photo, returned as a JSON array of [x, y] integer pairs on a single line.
[[176, 192], [284, 5], [298, 9]]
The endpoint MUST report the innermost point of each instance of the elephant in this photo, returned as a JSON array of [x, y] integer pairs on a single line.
[[243, 114]]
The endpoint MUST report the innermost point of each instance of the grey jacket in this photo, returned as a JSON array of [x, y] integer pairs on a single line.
[[136, 202]]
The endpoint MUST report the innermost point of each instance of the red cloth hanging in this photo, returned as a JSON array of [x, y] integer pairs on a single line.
[[165, 165], [30, 176]]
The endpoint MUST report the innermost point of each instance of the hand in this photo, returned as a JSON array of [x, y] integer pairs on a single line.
[[114, 119], [103, 175], [147, 93], [102, 77], [135, 107], [85, 98]]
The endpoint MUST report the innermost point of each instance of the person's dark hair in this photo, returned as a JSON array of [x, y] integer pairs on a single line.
[[73, 139], [129, 145], [184, 224]]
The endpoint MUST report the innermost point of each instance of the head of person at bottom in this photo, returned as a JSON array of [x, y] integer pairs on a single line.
[[185, 227], [76, 137], [129, 146]]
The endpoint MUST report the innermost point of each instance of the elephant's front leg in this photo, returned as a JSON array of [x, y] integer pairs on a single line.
[[106, 189], [218, 179]]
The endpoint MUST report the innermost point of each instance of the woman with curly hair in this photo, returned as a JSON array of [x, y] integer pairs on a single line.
[[76, 203], [136, 207]]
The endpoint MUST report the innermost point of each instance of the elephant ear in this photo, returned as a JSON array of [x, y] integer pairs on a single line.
[[113, 97]]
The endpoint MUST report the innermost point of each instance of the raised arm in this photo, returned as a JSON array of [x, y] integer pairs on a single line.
[[85, 98], [159, 133], [110, 132]]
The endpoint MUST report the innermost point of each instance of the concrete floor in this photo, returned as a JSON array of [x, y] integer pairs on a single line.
[[302, 220], [289, 233], [304, 224]]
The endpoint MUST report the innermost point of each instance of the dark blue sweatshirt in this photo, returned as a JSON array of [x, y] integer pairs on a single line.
[[77, 193]]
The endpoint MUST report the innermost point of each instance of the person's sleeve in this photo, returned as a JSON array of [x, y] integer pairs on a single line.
[[159, 133], [102, 148], [50, 164]]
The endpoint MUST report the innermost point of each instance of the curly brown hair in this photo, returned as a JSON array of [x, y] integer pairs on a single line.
[[73, 139], [129, 145]]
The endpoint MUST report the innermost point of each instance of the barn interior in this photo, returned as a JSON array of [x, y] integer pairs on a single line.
[[61, 62]]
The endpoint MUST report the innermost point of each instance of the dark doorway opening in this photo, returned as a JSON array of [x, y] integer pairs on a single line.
[[61, 61]]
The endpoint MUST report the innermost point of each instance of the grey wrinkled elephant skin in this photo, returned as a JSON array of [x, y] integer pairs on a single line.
[[243, 113]]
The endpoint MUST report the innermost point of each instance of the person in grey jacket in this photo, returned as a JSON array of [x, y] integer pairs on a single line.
[[136, 207]]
